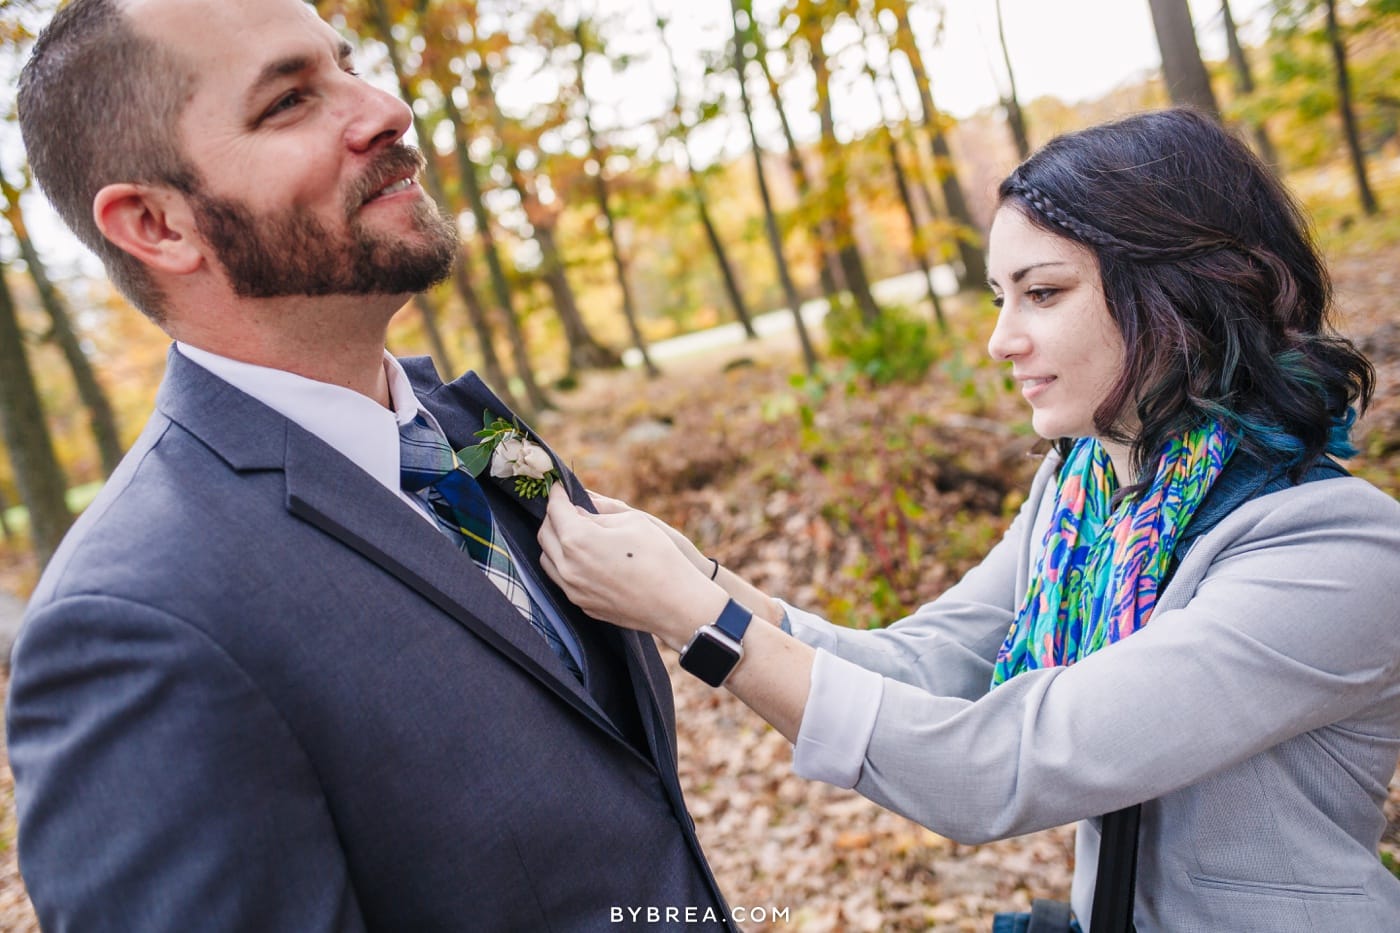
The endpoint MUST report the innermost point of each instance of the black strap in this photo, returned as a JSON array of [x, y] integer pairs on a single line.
[[1116, 885], [1243, 478], [1048, 916]]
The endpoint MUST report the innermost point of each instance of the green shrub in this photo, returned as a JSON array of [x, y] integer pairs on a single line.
[[895, 347]]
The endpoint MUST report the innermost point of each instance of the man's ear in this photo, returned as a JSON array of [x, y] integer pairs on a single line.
[[154, 224]]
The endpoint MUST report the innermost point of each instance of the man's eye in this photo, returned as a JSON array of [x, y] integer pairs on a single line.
[[285, 102]]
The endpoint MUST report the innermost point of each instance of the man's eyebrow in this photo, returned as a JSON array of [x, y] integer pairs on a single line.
[[291, 65]]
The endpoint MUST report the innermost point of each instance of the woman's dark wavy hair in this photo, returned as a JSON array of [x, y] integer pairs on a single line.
[[1214, 281]]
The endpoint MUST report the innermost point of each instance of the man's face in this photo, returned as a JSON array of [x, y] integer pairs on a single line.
[[304, 186]]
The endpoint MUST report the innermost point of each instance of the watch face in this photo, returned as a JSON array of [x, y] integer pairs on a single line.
[[709, 658]]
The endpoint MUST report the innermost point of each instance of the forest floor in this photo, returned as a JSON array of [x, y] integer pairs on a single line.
[[860, 502]]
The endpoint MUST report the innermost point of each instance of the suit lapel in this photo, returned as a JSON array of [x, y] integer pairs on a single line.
[[332, 494], [341, 500], [459, 407]]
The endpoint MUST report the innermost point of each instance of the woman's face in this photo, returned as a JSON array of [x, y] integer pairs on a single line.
[[1054, 327]]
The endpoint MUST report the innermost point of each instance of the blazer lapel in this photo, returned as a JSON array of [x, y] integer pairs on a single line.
[[331, 493], [459, 407], [337, 497]]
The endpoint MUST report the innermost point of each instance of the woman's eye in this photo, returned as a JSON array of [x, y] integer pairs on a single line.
[[1041, 295], [998, 301]]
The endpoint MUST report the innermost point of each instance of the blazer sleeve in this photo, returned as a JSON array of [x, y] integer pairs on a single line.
[[157, 788], [1290, 626]]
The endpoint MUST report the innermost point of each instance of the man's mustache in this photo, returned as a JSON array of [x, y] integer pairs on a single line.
[[395, 162]]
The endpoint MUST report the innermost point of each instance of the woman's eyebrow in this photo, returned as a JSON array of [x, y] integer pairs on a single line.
[[1021, 273]]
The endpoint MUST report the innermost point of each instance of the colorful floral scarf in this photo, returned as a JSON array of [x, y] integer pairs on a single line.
[[1100, 567]]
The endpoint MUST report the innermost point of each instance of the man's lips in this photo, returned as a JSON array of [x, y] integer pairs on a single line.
[[393, 187], [392, 172]]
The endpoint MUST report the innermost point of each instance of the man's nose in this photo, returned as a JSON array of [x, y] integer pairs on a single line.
[[380, 119]]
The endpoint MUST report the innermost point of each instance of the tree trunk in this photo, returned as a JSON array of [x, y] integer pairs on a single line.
[[427, 315], [629, 309], [1015, 118], [1185, 74], [910, 137], [702, 207], [828, 266], [1344, 106], [920, 256], [600, 188], [974, 266], [726, 269], [1244, 83], [834, 164], [770, 219], [37, 473], [534, 395], [100, 416], [476, 313], [917, 243], [6, 533], [585, 351]]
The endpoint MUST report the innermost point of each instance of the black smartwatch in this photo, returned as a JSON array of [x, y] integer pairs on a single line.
[[714, 651]]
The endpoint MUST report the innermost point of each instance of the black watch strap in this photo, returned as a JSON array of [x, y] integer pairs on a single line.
[[734, 620]]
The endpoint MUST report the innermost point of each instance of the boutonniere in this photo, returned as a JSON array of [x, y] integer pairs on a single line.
[[510, 455]]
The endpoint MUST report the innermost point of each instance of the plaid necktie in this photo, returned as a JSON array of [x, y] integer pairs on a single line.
[[428, 468]]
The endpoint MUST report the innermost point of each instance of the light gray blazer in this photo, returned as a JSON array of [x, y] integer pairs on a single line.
[[1257, 717]]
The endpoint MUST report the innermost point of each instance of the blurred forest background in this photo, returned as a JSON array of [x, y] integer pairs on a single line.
[[647, 197]]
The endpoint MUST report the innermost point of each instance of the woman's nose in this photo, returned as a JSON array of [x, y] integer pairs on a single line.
[[1007, 340]]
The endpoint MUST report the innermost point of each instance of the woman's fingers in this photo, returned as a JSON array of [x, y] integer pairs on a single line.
[[614, 519], [623, 568], [550, 570], [606, 505], [582, 547], [562, 520]]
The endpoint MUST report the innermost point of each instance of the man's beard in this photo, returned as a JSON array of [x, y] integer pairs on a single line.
[[292, 253]]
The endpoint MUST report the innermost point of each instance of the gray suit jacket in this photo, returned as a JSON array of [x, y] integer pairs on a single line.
[[256, 692], [1257, 716]]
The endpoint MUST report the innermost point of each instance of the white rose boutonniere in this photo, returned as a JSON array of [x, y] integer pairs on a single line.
[[517, 456], [510, 454]]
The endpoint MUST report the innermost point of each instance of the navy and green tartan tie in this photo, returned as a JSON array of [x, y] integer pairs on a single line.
[[428, 468]]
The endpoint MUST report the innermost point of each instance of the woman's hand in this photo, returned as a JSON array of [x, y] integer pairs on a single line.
[[746, 593], [624, 567], [607, 506]]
